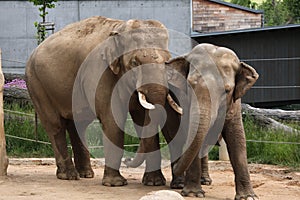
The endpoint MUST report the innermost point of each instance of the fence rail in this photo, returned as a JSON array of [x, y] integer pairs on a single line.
[[137, 145], [130, 121]]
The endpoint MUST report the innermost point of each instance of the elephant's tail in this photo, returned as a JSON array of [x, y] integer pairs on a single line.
[[136, 161]]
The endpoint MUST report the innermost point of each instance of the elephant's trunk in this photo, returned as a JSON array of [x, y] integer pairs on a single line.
[[153, 98], [199, 126], [138, 159]]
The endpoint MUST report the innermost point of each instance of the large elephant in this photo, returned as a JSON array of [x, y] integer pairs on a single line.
[[216, 80], [77, 74]]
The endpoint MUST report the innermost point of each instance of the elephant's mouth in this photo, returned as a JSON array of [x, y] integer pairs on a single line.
[[149, 106]]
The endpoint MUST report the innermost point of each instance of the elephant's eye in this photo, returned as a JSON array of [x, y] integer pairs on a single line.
[[134, 62], [227, 88]]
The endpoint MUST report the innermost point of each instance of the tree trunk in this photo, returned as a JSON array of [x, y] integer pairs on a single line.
[[3, 157], [16, 95], [274, 113], [266, 117]]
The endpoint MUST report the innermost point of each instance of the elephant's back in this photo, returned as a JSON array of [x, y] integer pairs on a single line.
[[55, 62], [73, 43], [78, 38]]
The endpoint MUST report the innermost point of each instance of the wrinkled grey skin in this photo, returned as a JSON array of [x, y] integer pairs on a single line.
[[218, 80], [59, 65], [237, 77]]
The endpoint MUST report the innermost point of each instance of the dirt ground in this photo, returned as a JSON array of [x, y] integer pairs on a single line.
[[35, 179]]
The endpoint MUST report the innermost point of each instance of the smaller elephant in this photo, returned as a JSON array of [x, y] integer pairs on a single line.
[[213, 84]]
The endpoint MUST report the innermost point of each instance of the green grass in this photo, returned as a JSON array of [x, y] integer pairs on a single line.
[[20, 148], [282, 149], [16, 127]]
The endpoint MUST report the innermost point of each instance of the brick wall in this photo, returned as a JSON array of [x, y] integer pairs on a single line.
[[209, 16]]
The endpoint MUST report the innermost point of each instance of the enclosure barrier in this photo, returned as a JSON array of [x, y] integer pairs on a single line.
[[3, 157], [223, 154]]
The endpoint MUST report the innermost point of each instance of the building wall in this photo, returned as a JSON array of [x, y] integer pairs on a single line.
[[214, 17], [274, 52], [17, 31]]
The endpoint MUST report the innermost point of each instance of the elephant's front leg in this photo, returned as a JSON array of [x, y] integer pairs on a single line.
[[153, 175], [113, 140], [175, 144], [234, 136], [174, 131], [192, 184]]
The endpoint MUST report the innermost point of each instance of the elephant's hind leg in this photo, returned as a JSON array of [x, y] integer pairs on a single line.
[[192, 185], [205, 178], [56, 129], [65, 166], [80, 151]]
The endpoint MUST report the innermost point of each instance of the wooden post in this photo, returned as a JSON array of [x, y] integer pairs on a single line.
[[3, 157], [223, 154]]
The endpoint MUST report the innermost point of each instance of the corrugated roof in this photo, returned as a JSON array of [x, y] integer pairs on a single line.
[[237, 6], [196, 34]]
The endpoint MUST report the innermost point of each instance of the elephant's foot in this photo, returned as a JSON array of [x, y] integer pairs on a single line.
[[177, 182], [205, 180], [246, 197], [69, 173], [193, 190], [155, 178], [86, 173], [113, 177], [84, 168]]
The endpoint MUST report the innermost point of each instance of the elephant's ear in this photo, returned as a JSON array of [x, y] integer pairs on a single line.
[[177, 72], [114, 64], [244, 80]]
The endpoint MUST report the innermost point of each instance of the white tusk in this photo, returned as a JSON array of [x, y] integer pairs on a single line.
[[174, 105], [144, 103]]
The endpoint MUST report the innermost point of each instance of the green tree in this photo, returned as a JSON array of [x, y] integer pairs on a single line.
[[245, 3], [43, 5], [275, 12], [293, 7]]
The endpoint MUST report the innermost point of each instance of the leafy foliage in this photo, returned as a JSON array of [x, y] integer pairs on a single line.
[[275, 12], [245, 3], [293, 6], [43, 5]]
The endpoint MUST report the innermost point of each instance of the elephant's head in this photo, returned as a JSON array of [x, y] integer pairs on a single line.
[[217, 79], [142, 47]]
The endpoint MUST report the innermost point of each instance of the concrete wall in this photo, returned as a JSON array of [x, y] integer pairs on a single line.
[[209, 16], [17, 32]]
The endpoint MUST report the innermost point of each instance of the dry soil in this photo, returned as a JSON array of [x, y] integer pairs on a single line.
[[35, 179]]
